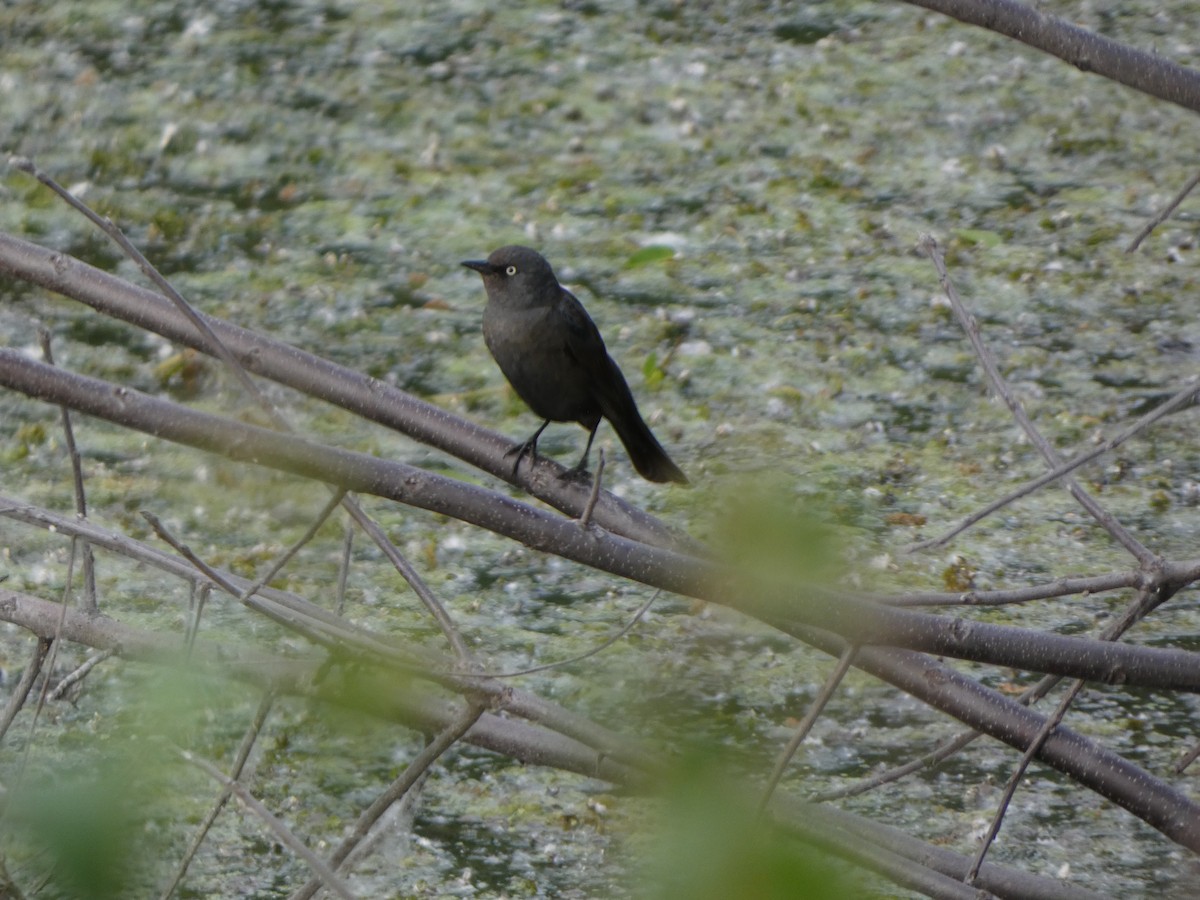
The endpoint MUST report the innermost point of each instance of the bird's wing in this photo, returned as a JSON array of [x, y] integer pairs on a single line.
[[585, 345], [583, 340]]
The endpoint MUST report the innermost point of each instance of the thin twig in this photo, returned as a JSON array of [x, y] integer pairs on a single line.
[[239, 765], [344, 565], [415, 581], [323, 873], [80, 673], [928, 760], [22, 688], [1060, 587], [412, 773], [90, 602], [339, 497], [1164, 214], [586, 517], [52, 656], [810, 718], [316, 630], [198, 601], [335, 500], [1186, 759], [990, 368], [1184, 397], [558, 664], [1035, 745]]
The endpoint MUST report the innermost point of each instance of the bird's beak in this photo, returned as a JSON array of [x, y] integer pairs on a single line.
[[482, 266]]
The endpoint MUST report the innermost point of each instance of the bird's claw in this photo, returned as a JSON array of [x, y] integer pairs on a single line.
[[575, 473], [521, 450]]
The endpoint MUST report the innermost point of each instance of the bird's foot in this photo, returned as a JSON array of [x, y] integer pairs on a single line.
[[528, 447], [520, 451], [577, 473]]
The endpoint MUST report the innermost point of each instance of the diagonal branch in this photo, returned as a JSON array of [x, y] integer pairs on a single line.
[[1087, 762], [853, 619], [325, 380], [1183, 398], [1118, 531], [1146, 72], [378, 694], [407, 658]]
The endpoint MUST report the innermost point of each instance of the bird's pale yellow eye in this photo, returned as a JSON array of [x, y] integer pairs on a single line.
[[510, 271]]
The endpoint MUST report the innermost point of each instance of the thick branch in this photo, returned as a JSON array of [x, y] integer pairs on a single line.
[[858, 621], [1089, 52], [812, 820], [317, 377], [924, 678], [376, 693], [411, 659], [1154, 801]]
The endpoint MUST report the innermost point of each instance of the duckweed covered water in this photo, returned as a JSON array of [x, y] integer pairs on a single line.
[[735, 192]]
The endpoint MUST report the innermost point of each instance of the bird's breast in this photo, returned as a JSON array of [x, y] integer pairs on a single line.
[[530, 348]]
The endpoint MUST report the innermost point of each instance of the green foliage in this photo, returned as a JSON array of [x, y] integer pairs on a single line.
[[766, 530], [651, 253], [713, 846], [87, 820], [652, 372], [88, 823]]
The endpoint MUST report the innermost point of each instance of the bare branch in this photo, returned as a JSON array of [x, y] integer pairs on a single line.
[[1164, 214], [24, 685], [320, 378], [840, 829], [857, 621], [89, 562], [376, 692], [988, 362], [1183, 398], [239, 766], [408, 658], [806, 724], [413, 772], [327, 878], [1090, 764], [1146, 72]]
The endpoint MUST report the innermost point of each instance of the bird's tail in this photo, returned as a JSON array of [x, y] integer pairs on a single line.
[[645, 452]]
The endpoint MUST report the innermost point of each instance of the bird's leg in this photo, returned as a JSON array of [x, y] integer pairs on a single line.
[[594, 495], [579, 470], [529, 446]]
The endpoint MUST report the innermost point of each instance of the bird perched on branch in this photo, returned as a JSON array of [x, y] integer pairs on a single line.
[[552, 354]]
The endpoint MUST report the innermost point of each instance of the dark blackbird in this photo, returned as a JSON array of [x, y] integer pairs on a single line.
[[552, 354]]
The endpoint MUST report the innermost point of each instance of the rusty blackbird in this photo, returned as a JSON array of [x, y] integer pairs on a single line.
[[552, 354]]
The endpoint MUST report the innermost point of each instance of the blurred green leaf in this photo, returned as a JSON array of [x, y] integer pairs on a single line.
[[711, 845], [90, 822], [766, 530], [651, 253], [979, 236], [651, 371]]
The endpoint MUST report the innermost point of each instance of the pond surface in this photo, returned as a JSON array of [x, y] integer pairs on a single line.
[[317, 171]]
